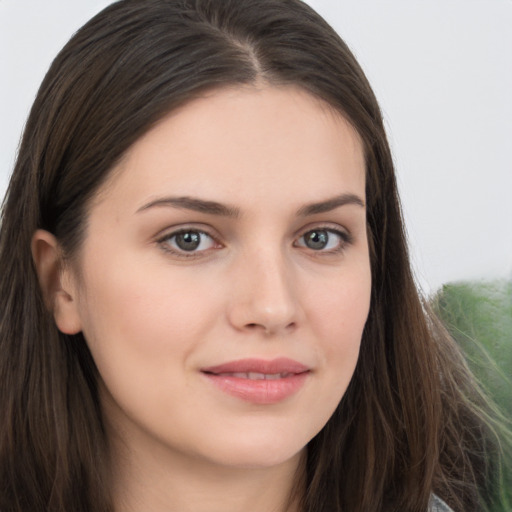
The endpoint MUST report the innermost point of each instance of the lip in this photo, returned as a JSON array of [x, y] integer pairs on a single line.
[[272, 381]]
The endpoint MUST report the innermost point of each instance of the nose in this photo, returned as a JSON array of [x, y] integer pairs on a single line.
[[264, 296]]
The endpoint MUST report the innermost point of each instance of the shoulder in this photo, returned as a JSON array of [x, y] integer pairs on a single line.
[[438, 505]]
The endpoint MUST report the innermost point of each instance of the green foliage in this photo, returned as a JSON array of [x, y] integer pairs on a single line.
[[479, 317]]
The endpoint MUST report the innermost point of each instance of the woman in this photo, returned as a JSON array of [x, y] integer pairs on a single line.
[[206, 296]]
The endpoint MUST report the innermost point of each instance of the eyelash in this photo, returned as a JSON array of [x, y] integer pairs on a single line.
[[345, 239], [164, 242]]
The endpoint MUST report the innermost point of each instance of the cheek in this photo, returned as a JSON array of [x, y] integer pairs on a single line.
[[142, 320], [141, 329], [339, 315], [340, 312]]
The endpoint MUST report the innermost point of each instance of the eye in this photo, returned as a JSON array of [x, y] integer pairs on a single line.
[[187, 241], [322, 239]]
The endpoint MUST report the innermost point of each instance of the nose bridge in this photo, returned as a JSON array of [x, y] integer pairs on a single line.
[[264, 295]]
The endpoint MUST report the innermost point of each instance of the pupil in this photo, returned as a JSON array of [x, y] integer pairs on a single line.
[[317, 239], [188, 241]]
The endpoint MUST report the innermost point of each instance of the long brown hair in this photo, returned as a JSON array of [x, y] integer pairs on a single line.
[[410, 422]]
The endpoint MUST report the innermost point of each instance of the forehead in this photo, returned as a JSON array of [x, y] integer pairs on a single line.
[[242, 143]]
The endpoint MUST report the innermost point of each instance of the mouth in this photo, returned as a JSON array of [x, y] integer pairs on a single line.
[[254, 375], [259, 381]]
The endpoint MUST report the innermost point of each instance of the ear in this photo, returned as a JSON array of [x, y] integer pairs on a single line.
[[56, 281]]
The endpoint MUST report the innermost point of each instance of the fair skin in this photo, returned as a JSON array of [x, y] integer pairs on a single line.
[[165, 287]]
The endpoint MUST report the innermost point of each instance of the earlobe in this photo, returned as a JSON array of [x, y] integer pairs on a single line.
[[55, 279]]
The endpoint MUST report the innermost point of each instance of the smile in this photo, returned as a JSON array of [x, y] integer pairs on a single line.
[[259, 381], [255, 375]]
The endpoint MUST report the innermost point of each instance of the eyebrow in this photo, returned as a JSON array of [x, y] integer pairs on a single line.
[[197, 205], [330, 204], [215, 208]]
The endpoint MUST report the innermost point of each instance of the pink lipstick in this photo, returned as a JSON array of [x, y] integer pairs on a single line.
[[257, 380]]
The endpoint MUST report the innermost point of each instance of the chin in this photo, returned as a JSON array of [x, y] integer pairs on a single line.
[[260, 458], [257, 449]]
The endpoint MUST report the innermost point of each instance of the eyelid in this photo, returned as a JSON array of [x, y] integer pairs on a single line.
[[344, 234], [171, 232], [164, 235], [327, 226]]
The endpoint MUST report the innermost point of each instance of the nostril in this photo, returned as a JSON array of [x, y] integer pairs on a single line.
[[256, 326], [267, 329]]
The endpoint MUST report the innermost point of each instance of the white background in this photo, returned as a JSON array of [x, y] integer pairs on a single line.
[[442, 71]]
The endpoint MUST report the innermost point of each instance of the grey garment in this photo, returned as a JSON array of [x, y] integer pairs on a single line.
[[438, 505]]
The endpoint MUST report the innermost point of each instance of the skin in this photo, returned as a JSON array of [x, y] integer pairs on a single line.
[[154, 315]]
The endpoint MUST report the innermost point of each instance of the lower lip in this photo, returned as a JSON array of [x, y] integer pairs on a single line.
[[259, 391]]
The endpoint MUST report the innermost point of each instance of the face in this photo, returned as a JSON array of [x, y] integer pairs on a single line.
[[224, 281]]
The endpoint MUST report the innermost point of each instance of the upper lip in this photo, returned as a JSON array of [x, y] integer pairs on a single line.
[[281, 365]]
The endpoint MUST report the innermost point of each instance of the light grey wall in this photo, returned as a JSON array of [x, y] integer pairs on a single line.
[[442, 71]]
